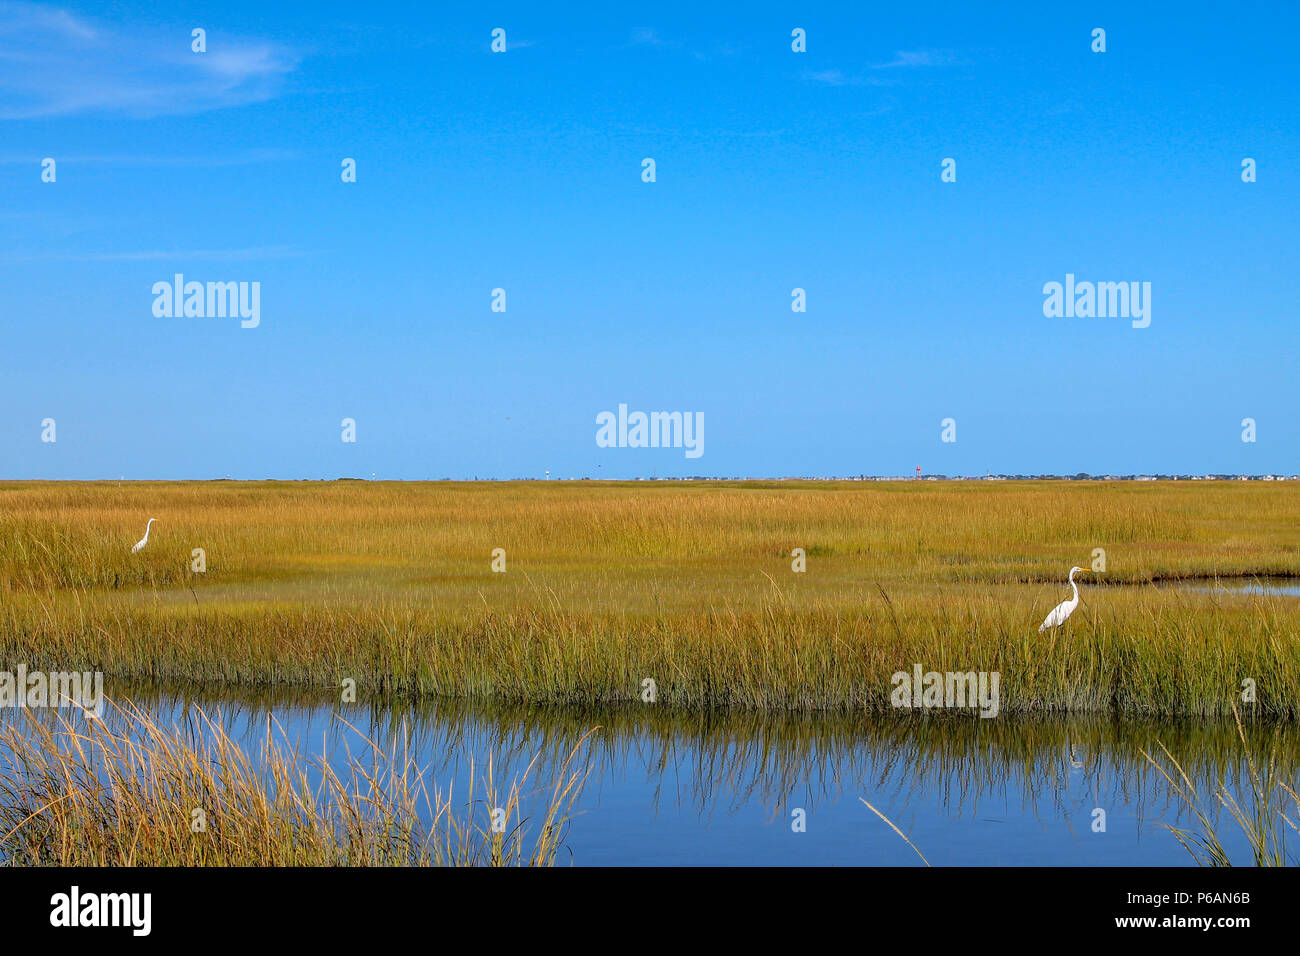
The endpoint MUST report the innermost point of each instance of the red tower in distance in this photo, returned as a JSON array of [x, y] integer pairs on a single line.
[[918, 472]]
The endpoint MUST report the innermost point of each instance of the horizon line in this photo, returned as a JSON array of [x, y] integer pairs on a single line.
[[1078, 476]]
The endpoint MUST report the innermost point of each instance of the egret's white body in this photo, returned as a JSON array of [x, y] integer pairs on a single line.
[[145, 540], [1065, 608]]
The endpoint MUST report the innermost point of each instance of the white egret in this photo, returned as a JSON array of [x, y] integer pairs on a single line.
[[145, 540], [1065, 608]]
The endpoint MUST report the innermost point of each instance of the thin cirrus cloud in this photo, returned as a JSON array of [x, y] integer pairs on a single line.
[[212, 255], [653, 39], [877, 75], [910, 58], [54, 63], [648, 36], [239, 158], [840, 78]]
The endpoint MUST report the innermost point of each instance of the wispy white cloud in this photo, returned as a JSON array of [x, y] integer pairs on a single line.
[[840, 78], [915, 58], [652, 38], [238, 158], [876, 75], [57, 63], [215, 255], [37, 18], [648, 36]]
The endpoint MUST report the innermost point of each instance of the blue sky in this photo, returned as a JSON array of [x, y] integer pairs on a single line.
[[522, 170]]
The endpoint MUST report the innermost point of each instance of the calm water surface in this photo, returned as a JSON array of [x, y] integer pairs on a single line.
[[1226, 586], [671, 788]]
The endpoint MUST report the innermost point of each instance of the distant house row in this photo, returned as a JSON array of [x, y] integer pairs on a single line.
[[1078, 477]]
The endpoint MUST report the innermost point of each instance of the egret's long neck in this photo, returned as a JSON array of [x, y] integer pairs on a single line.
[[1073, 585]]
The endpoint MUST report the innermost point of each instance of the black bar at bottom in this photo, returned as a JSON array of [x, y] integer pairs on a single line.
[[567, 906]]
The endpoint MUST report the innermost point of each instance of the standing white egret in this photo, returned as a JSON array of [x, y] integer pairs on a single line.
[[1065, 608], [145, 540]]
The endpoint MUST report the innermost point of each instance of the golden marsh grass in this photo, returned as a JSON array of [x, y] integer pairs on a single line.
[[690, 584]]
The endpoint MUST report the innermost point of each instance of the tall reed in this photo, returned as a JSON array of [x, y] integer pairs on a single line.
[[125, 790], [1264, 819]]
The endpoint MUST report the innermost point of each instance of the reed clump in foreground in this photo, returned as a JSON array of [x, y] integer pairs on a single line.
[[78, 793], [1270, 810]]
